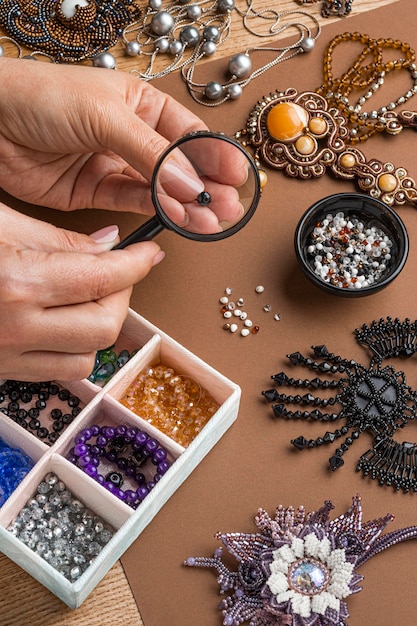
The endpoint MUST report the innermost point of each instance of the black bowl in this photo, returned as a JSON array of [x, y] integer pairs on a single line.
[[372, 213]]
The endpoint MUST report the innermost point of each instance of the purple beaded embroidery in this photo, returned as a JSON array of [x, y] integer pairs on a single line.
[[300, 568]]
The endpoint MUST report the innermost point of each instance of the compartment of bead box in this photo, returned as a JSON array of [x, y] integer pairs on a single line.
[[102, 406]]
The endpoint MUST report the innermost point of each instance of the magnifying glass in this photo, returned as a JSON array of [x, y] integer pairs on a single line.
[[205, 187]]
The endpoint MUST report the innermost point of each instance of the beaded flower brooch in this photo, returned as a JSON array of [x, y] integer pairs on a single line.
[[300, 567], [376, 399]]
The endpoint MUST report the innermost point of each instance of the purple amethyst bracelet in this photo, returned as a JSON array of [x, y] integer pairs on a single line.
[[127, 448]]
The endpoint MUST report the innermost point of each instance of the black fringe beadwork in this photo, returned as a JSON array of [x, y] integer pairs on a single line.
[[376, 399]]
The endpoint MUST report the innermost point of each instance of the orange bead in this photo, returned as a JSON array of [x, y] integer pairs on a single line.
[[286, 121], [347, 160], [317, 125], [387, 182], [305, 145]]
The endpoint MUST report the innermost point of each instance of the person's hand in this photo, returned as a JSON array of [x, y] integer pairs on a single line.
[[82, 137], [63, 296]]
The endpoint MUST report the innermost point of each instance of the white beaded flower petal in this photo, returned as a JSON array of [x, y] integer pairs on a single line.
[[278, 583], [279, 566], [297, 546], [312, 545], [285, 553], [301, 605]]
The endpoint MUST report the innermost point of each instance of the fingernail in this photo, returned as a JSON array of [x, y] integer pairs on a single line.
[[158, 258], [182, 183], [108, 234]]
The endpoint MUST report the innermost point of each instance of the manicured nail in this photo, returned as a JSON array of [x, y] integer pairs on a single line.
[[181, 183], [108, 234], [158, 258]]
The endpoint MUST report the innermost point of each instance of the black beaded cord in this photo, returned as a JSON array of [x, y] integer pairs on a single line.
[[26, 403], [376, 399]]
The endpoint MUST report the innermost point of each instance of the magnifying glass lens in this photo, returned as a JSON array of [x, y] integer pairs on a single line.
[[205, 185]]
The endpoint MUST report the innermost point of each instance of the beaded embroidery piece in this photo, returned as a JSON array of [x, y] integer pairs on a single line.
[[299, 134], [300, 568], [376, 399], [41, 25]]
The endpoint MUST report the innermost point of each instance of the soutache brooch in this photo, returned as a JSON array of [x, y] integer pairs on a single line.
[[299, 134], [376, 399], [300, 568]]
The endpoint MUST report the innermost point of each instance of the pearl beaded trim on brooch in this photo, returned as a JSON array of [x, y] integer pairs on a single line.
[[43, 26]]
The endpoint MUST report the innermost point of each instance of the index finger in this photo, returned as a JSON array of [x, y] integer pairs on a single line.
[[52, 279]]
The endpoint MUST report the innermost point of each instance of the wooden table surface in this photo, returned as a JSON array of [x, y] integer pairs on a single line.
[[23, 601]]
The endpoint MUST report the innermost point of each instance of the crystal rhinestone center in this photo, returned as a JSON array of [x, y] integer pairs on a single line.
[[286, 121], [308, 577]]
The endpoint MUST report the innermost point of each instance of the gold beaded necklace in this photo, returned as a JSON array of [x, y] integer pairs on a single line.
[[369, 77], [309, 133]]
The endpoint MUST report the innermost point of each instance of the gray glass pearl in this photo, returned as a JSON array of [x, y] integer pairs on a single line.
[[175, 48], [240, 65], [190, 36], [162, 23], [213, 90], [234, 91], [208, 48], [193, 12], [307, 44], [162, 45], [155, 4], [133, 48], [211, 33], [226, 5], [1, 51], [106, 60]]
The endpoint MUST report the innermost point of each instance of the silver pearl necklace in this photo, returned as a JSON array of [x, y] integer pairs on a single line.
[[186, 32], [240, 65], [176, 31]]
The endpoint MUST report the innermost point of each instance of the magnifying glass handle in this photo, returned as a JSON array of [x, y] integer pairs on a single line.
[[147, 231]]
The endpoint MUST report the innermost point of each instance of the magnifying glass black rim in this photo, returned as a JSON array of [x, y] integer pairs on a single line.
[[170, 225]]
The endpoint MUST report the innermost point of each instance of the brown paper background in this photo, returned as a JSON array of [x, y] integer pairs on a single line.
[[254, 465]]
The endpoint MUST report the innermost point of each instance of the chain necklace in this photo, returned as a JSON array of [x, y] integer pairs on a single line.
[[240, 71], [174, 32]]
